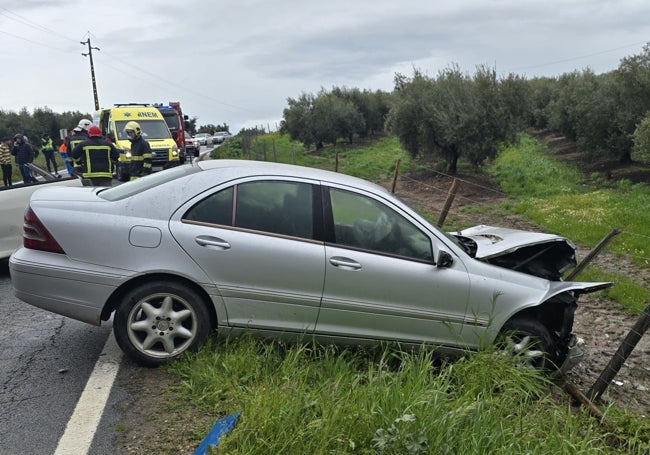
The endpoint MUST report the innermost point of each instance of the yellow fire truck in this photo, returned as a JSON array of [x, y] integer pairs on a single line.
[[164, 151]]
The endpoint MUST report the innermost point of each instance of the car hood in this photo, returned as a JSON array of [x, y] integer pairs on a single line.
[[544, 255]]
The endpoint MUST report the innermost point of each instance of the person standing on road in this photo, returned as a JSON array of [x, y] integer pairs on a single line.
[[95, 157], [24, 155], [5, 160], [140, 151], [79, 134], [48, 152]]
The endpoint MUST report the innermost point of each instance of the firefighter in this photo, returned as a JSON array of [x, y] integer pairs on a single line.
[[94, 158], [140, 151], [79, 134]]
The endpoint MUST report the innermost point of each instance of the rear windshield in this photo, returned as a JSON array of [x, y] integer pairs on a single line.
[[128, 189]]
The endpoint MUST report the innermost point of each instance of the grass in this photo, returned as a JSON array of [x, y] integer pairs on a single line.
[[321, 400], [373, 161]]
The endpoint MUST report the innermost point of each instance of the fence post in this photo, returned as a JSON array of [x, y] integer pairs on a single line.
[[450, 198], [336, 162], [275, 151], [593, 253], [293, 153], [264, 149], [395, 175], [621, 354]]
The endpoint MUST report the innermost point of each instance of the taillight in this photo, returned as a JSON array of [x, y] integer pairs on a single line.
[[36, 236]]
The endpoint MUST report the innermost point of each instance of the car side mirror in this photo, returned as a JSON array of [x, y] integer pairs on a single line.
[[444, 259]]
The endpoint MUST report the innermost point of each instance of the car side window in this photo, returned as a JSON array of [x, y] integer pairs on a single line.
[[214, 209], [277, 207], [363, 222]]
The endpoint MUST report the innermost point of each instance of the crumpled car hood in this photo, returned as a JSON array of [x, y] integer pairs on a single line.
[[547, 256]]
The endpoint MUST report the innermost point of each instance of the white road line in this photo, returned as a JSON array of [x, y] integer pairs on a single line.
[[81, 428]]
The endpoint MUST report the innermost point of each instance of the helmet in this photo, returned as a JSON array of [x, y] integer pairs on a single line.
[[94, 131], [133, 126], [84, 124], [18, 136]]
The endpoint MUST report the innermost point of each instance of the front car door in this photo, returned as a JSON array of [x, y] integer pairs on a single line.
[[381, 278]]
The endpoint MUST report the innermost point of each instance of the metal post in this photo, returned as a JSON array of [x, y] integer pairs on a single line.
[[92, 70]]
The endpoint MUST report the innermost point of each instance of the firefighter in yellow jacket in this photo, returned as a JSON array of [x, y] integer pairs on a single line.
[[95, 157]]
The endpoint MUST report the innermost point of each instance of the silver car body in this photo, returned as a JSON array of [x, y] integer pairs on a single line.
[[13, 202], [260, 281]]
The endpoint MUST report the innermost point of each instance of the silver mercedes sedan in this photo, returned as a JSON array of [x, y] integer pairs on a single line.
[[286, 251]]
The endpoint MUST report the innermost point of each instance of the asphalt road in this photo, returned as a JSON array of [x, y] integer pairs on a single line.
[[45, 362]]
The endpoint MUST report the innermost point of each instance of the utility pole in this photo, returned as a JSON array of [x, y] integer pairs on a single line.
[[92, 70]]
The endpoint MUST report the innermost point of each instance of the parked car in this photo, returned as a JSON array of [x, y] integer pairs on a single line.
[[203, 138], [288, 252], [13, 202], [192, 145]]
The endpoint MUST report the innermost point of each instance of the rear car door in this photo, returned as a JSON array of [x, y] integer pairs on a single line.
[[256, 240]]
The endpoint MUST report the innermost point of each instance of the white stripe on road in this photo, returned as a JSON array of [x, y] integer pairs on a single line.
[[83, 424]]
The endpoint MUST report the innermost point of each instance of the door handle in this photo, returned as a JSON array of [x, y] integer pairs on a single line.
[[204, 240], [345, 263]]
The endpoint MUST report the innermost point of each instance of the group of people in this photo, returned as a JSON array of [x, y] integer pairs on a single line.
[[85, 151], [20, 148]]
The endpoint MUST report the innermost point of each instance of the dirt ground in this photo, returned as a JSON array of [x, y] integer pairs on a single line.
[[151, 420]]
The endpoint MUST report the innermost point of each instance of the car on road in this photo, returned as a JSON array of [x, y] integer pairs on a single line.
[[192, 145], [203, 138], [220, 137], [13, 202], [289, 252]]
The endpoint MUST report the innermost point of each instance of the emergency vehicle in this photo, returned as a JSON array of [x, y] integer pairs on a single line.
[[164, 151], [175, 119]]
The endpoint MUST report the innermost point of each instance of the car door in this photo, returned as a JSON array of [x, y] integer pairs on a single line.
[[381, 279], [256, 240]]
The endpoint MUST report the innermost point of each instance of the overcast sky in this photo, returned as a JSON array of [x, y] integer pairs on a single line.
[[237, 62]]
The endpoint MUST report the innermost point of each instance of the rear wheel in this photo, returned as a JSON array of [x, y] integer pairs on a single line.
[[158, 321], [529, 341]]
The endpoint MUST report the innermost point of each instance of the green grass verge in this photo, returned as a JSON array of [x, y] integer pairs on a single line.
[[321, 400]]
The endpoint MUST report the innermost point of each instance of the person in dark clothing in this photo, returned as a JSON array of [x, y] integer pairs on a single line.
[[24, 154], [94, 158], [48, 152], [79, 134], [140, 151]]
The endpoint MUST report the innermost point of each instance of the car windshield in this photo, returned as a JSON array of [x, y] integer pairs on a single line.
[[151, 129], [128, 189]]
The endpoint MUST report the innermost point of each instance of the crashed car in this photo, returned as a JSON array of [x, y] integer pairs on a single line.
[[289, 252]]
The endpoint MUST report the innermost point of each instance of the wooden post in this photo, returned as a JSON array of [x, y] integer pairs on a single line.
[[621, 354], [293, 153], [275, 151], [450, 198], [336, 162], [580, 267], [264, 149], [395, 175]]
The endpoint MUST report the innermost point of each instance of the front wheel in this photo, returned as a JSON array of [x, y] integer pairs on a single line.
[[158, 321], [120, 172], [529, 341]]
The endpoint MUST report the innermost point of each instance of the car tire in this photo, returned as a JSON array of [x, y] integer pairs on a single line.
[[530, 341], [158, 321], [120, 173]]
